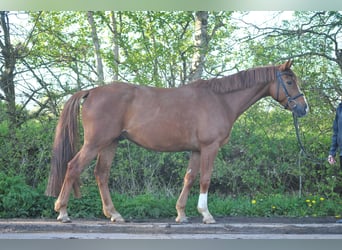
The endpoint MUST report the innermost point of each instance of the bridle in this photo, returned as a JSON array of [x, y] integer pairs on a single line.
[[291, 101]]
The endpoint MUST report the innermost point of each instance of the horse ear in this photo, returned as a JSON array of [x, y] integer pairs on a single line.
[[287, 65]]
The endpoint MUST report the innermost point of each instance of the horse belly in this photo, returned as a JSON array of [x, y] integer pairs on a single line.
[[163, 136]]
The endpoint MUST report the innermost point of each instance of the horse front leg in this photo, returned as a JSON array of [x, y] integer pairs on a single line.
[[208, 155], [75, 167], [189, 180], [102, 170]]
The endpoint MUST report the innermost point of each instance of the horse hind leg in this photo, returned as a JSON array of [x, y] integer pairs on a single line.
[[75, 167], [102, 170]]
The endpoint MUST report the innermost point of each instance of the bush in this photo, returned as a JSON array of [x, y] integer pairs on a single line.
[[27, 152], [17, 199]]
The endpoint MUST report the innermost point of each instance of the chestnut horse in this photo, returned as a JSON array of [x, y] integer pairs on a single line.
[[197, 117]]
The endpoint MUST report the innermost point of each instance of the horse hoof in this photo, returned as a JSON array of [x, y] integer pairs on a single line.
[[117, 219], [64, 219], [182, 220], [209, 220]]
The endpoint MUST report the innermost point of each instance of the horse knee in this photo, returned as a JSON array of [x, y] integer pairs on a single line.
[[189, 180]]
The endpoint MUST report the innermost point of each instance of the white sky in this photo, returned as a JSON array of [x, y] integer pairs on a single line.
[[265, 17]]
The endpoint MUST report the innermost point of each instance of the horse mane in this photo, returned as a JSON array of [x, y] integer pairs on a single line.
[[238, 81]]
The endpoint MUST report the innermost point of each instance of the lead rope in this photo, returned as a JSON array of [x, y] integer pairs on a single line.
[[295, 123], [301, 145], [302, 153]]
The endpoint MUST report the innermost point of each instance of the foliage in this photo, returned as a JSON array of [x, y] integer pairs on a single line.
[[17, 199], [27, 151]]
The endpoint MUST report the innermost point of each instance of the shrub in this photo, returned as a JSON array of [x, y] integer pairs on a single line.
[[17, 199]]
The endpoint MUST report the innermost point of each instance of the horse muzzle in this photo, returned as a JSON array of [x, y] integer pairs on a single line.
[[300, 109]]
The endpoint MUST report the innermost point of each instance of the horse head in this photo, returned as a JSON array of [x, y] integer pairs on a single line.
[[286, 91]]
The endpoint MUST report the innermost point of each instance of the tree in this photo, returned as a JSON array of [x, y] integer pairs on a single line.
[[12, 55], [114, 29], [61, 60], [99, 66], [9, 56], [200, 43]]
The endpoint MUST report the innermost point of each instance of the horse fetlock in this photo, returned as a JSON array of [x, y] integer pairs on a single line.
[[181, 217], [57, 206]]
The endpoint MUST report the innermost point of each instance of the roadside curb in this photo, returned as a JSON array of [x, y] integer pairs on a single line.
[[101, 226]]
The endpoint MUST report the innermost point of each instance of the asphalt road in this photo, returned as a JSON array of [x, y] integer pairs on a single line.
[[226, 228]]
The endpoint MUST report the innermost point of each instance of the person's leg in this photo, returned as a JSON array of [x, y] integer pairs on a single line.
[[340, 221]]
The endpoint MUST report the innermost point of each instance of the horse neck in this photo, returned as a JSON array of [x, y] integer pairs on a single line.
[[239, 101]]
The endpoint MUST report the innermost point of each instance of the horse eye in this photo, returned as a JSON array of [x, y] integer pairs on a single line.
[[289, 82]]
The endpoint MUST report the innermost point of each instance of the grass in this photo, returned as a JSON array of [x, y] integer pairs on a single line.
[[19, 200], [156, 206]]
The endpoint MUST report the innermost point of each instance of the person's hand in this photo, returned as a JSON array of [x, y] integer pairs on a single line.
[[331, 159]]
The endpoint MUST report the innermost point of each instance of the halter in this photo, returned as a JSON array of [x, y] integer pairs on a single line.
[[291, 101]]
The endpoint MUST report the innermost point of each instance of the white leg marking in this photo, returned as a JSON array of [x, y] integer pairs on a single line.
[[202, 207], [202, 202]]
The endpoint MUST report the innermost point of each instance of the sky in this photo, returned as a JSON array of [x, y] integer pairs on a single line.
[[267, 17]]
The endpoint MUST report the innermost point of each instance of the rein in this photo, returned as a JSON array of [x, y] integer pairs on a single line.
[[290, 99]]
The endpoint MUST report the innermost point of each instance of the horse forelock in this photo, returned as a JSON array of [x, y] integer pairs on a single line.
[[238, 81]]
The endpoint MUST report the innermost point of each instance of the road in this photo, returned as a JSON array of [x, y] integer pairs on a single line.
[[226, 228]]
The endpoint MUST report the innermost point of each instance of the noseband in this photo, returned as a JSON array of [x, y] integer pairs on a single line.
[[291, 101]]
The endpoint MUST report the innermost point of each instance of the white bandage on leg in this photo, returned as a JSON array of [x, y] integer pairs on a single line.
[[202, 202]]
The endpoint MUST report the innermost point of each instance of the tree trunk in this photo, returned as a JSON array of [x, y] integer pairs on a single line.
[[201, 44], [115, 45], [9, 55], [99, 65]]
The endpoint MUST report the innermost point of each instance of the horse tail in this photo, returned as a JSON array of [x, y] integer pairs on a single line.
[[65, 145]]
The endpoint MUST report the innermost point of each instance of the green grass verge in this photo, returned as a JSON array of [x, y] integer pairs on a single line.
[[154, 206], [18, 200]]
